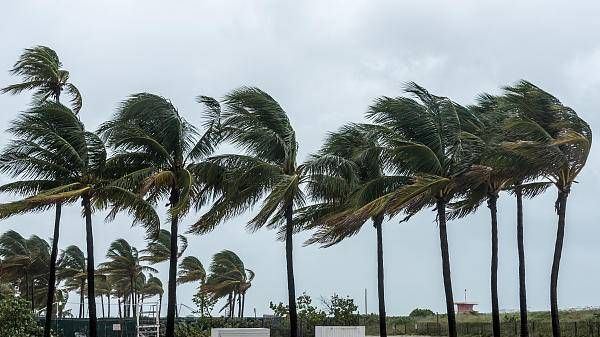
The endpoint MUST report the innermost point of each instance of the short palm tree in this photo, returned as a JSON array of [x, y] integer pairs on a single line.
[[51, 128], [229, 277], [41, 71], [72, 270], [158, 248], [24, 261], [192, 270], [154, 287], [123, 265], [160, 150], [546, 129], [267, 170], [347, 174]]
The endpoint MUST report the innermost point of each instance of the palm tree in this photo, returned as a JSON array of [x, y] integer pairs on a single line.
[[51, 128], [192, 270], [158, 248], [229, 277], [41, 71], [72, 269], [154, 287], [160, 148], [508, 171], [24, 261], [123, 264], [546, 129], [103, 288], [423, 137], [348, 173], [268, 170]]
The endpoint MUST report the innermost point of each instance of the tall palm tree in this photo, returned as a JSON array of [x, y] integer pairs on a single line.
[[229, 277], [160, 150], [53, 128], [267, 170], [506, 171], [158, 248], [123, 264], [41, 71], [72, 270], [346, 174], [423, 137], [544, 128]]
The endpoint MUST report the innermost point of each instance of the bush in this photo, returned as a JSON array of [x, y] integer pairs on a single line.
[[16, 319], [421, 313]]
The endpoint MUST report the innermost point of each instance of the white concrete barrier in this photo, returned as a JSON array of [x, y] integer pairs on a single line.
[[240, 332], [339, 331]]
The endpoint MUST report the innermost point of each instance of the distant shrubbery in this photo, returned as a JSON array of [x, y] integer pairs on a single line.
[[421, 313]]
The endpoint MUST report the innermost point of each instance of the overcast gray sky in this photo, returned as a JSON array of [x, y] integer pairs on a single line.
[[325, 61]]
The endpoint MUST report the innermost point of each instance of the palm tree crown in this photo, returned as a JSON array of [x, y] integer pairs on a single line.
[[42, 72]]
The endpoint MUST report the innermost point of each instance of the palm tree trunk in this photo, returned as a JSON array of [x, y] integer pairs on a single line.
[[561, 208], [289, 245], [119, 307], [521, 249], [172, 287], [26, 285], [93, 321], [229, 299], [133, 299], [159, 305], [81, 300], [377, 223], [243, 304], [102, 304], [32, 295], [240, 305], [441, 210], [52, 276], [108, 303], [492, 205]]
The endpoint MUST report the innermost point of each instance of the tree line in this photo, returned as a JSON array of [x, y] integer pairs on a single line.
[[127, 276], [415, 152]]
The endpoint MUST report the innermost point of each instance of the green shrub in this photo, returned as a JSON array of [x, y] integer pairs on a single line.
[[16, 319]]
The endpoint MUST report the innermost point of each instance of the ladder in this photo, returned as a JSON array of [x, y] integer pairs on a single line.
[[148, 320]]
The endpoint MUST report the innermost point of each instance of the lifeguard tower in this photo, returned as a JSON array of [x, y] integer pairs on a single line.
[[465, 307]]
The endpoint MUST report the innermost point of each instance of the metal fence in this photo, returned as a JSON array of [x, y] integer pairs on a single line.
[[107, 327], [508, 329]]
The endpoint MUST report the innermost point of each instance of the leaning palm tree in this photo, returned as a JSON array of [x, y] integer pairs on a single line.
[[23, 262], [123, 264], [51, 128], [346, 174], [229, 278], [267, 170], [506, 171], [192, 270], [423, 137], [154, 287], [42, 72], [158, 248], [160, 150], [40, 69], [72, 270], [544, 128]]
